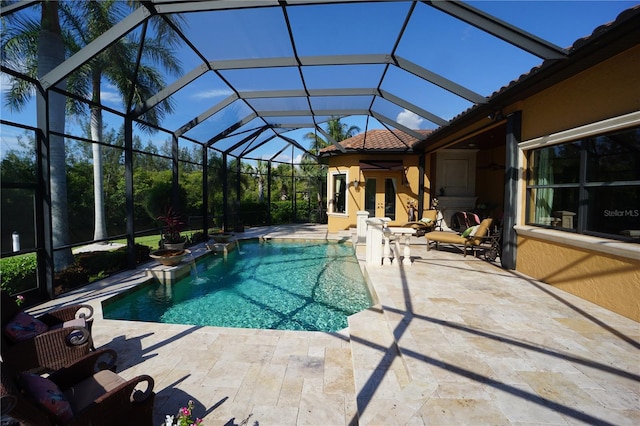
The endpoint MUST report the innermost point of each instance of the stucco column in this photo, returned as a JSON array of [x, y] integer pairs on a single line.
[[361, 226], [375, 229]]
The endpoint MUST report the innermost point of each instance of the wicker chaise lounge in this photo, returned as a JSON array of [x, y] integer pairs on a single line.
[[455, 239]]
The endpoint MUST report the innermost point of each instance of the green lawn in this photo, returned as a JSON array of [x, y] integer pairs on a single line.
[[152, 240]]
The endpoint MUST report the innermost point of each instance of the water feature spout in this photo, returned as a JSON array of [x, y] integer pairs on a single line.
[[194, 268]]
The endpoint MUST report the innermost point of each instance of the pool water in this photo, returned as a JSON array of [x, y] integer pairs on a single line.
[[310, 286]]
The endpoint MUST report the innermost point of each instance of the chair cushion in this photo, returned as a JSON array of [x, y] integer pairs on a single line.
[[470, 231], [24, 327], [88, 390], [47, 395], [445, 237], [77, 322]]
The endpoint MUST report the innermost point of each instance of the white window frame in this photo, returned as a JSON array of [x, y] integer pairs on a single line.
[[331, 192], [598, 244]]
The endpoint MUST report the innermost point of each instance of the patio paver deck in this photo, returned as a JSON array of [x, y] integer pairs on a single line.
[[452, 340]]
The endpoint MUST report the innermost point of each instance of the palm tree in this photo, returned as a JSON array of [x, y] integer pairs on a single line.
[[83, 22], [338, 130], [35, 48], [261, 174], [87, 21]]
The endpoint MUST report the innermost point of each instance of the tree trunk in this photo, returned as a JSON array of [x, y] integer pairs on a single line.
[[100, 227], [50, 55], [260, 189]]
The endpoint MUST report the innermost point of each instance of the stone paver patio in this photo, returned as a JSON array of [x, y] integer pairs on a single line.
[[451, 340]]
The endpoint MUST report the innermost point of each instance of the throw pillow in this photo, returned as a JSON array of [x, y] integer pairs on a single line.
[[24, 327], [47, 395], [467, 232], [425, 220], [474, 230]]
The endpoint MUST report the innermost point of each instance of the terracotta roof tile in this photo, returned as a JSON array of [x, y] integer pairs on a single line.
[[379, 140]]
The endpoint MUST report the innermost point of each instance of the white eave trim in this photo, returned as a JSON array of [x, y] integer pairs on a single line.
[[599, 127]]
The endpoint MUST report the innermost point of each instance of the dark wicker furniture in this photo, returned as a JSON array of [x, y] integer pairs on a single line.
[[95, 394], [52, 349]]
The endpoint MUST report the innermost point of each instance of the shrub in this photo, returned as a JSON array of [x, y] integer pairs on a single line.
[[18, 273], [281, 212], [253, 213]]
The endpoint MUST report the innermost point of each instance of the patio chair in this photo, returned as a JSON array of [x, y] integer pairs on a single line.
[[472, 239], [87, 392], [47, 342], [427, 223], [464, 220]]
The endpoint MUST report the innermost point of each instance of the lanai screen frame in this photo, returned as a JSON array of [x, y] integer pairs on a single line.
[[461, 11]]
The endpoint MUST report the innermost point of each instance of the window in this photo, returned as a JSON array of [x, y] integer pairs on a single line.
[[338, 193], [590, 186]]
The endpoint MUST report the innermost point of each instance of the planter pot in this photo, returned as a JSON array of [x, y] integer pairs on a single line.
[[174, 246], [169, 257], [222, 237]]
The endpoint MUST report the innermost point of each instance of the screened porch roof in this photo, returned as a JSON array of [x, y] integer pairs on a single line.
[[263, 73]]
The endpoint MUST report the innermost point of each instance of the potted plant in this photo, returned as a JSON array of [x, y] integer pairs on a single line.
[[169, 257], [172, 226]]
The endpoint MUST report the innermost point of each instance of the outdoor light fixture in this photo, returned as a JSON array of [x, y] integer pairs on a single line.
[[356, 184]]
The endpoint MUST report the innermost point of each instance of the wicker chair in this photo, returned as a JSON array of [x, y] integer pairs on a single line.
[[87, 392], [47, 342]]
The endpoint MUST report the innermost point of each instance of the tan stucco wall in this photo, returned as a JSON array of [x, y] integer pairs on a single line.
[[609, 89], [609, 281], [350, 163]]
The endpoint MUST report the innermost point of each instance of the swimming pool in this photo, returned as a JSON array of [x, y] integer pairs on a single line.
[[280, 285]]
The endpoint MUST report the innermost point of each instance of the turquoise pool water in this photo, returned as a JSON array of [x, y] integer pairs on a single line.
[[310, 286]]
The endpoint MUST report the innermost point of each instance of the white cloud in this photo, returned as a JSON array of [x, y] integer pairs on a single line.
[[409, 119], [111, 97], [215, 93], [284, 158]]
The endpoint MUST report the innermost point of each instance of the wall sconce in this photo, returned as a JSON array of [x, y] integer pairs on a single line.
[[405, 180], [356, 184]]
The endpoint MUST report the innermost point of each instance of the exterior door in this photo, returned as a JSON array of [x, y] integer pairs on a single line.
[[380, 197], [370, 196], [390, 198]]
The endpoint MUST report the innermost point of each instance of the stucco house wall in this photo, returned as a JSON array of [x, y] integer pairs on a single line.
[[578, 264], [407, 186]]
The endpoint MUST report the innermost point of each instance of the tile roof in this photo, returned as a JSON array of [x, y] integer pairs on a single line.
[[378, 140]]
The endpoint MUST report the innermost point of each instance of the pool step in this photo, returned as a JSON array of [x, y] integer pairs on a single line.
[[382, 382]]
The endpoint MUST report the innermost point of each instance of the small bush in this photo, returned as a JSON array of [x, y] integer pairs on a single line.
[[18, 273], [72, 277], [281, 212]]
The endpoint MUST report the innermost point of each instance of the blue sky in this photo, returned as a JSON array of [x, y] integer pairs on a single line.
[[432, 40]]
